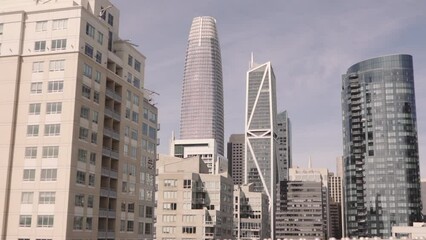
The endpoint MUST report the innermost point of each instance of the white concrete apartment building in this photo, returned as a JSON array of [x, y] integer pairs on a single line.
[[251, 214], [191, 202], [76, 163]]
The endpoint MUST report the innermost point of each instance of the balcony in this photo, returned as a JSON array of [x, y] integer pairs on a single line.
[[113, 114], [106, 213], [108, 152], [107, 192], [112, 94], [106, 234], [111, 133], [109, 173]]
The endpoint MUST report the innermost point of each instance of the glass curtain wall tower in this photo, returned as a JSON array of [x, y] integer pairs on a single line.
[[202, 93], [381, 161], [261, 137]]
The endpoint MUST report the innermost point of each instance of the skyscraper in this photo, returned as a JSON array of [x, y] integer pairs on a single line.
[[261, 137], [236, 157], [202, 92], [284, 145], [78, 144], [381, 161]]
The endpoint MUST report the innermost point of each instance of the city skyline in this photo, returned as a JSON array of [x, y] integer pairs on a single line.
[[311, 44]]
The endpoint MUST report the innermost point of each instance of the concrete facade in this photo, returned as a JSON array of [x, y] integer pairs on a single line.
[[76, 165], [236, 156]]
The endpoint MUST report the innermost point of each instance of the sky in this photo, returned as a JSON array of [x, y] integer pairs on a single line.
[[309, 43]]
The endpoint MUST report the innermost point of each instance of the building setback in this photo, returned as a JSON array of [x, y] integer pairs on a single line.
[[284, 161], [236, 156], [202, 92], [75, 163], [192, 203], [260, 139], [381, 160]]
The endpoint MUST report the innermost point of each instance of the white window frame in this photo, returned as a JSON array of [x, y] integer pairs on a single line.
[[60, 24], [38, 66], [55, 86], [57, 65], [41, 26], [32, 131], [36, 87], [40, 46], [45, 221], [53, 108], [50, 152], [52, 129], [58, 44], [49, 174]]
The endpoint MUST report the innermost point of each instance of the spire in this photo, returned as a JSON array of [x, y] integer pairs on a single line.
[[251, 60], [309, 162]]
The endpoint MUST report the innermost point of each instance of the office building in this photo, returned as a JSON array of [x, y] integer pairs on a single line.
[[74, 163], [236, 153], [191, 202], [251, 216], [205, 148], [381, 159], [284, 145], [202, 93], [423, 192], [335, 205], [302, 204], [260, 133]]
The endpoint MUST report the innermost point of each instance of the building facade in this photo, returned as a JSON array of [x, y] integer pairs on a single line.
[[202, 93], [251, 214], [381, 161], [191, 202], [75, 163], [236, 153], [284, 161], [261, 136], [302, 205], [335, 205]]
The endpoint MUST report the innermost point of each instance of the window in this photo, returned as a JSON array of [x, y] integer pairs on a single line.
[[145, 113], [92, 178], [110, 19], [1, 28], [41, 26], [40, 46], [31, 152], [131, 207], [168, 229], [98, 77], [129, 77], [148, 228], [98, 57], [94, 138], [170, 182], [85, 91], [54, 108], [152, 133], [60, 24], [37, 67], [50, 152], [169, 194], [136, 100], [45, 221], [134, 134], [96, 96], [144, 129], [122, 225], [152, 117], [36, 87], [78, 223], [136, 82], [29, 175], [84, 133], [32, 131], [88, 50], [190, 230], [137, 65], [127, 113], [81, 177], [169, 206], [110, 40], [87, 71], [140, 228], [89, 223], [90, 201], [55, 86], [135, 117], [169, 218], [149, 212], [130, 60], [25, 220], [84, 112], [82, 155], [130, 225], [52, 129], [34, 109], [90, 30], [47, 198], [59, 44], [56, 65], [79, 200], [187, 183], [27, 197], [100, 38], [92, 158], [95, 117], [48, 174]]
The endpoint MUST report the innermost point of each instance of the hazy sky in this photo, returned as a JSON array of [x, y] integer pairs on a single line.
[[310, 44]]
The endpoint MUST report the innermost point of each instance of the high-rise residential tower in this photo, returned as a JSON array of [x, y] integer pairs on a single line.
[[78, 144], [284, 145], [380, 149], [202, 93], [261, 137]]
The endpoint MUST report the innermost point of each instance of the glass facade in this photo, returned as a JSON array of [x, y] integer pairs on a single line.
[[381, 161], [202, 94], [261, 137]]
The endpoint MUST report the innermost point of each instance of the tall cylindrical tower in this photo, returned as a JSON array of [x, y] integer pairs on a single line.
[[381, 160], [202, 93]]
